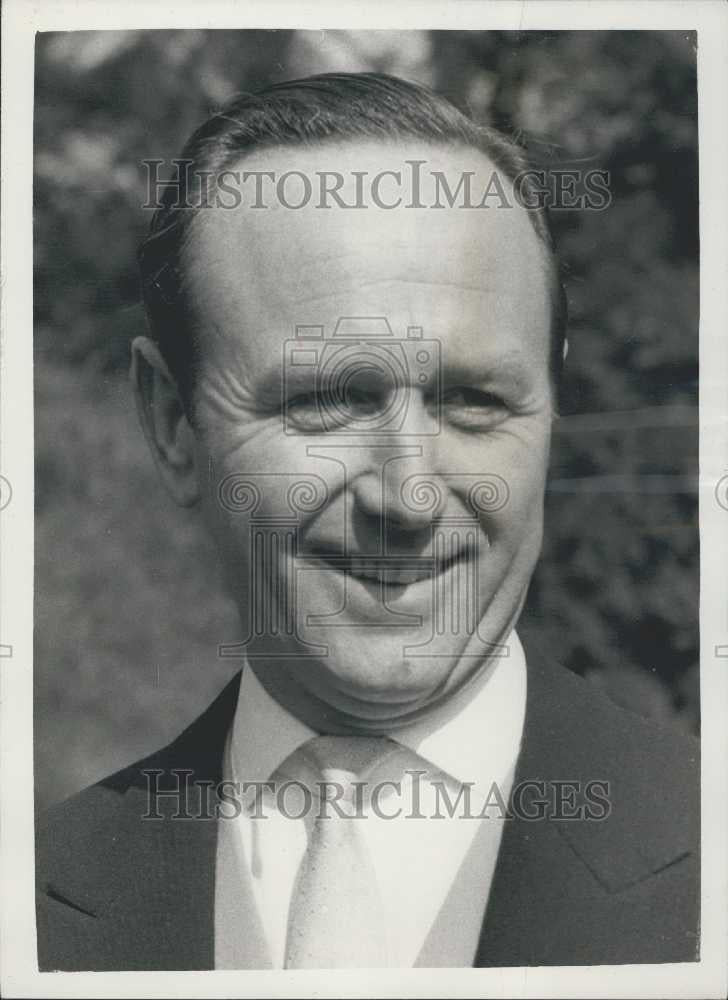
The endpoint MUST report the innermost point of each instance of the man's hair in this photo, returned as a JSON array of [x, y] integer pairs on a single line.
[[309, 112]]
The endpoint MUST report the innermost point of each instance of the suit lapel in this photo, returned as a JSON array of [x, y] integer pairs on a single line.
[[560, 886], [154, 907], [180, 915], [533, 861]]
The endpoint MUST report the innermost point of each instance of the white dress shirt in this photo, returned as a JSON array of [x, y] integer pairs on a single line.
[[434, 875]]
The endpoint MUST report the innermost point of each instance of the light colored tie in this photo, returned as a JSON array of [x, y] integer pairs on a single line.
[[336, 917]]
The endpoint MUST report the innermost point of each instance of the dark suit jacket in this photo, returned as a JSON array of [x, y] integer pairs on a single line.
[[116, 892]]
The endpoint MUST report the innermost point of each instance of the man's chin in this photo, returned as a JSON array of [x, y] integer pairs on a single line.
[[368, 678], [381, 683]]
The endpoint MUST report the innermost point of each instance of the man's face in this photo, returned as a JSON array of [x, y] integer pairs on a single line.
[[384, 593]]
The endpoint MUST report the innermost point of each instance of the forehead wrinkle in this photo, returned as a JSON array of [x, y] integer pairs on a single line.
[[424, 283], [353, 252], [348, 241], [325, 296]]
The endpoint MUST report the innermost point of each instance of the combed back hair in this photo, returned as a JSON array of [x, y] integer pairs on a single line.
[[310, 112]]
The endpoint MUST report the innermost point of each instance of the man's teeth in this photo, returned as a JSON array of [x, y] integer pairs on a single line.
[[394, 576], [383, 573]]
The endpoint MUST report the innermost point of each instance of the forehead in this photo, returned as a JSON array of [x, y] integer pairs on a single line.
[[475, 278]]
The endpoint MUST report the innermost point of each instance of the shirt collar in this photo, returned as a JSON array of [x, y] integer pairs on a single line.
[[475, 737]]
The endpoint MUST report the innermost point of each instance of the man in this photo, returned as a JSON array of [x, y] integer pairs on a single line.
[[351, 374]]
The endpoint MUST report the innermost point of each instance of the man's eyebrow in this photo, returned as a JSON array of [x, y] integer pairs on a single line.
[[271, 381], [512, 367]]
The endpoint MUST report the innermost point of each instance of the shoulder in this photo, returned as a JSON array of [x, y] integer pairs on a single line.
[[613, 885], [649, 775], [90, 832], [574, 715], [99, 829]]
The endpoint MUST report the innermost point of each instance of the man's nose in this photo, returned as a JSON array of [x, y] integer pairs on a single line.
[[400, 485]]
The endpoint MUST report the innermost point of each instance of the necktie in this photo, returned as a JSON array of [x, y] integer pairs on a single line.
[[336, 918]]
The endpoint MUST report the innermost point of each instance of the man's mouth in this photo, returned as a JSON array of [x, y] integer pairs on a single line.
[[393, 571]]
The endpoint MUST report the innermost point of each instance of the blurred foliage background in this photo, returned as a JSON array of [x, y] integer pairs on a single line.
[[129, 606]]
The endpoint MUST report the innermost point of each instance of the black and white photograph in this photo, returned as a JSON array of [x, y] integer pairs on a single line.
[[369, 487]]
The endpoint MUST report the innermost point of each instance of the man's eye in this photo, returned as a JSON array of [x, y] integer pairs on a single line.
[[474, 407], [304, 401], [305, 411], [326, 410]]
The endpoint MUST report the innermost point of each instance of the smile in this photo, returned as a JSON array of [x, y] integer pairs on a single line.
[[391, 571]]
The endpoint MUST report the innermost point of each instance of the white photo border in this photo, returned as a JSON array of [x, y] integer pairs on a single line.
[[21, 19]]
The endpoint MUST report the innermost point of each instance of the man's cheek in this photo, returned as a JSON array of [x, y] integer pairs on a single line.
[[519, 522], [234, 548]]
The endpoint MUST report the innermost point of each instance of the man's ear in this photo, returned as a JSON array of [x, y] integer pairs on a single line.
[[164, 422]]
